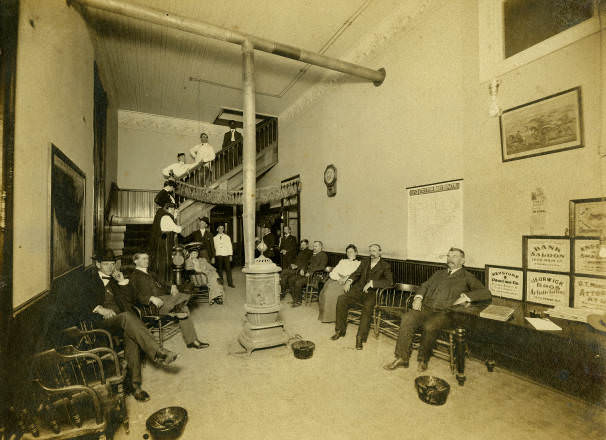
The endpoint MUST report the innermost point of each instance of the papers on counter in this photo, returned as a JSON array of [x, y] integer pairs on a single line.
[[543, 324], [572, 314]]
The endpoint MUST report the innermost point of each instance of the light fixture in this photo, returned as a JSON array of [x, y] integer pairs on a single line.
[[493, 90]]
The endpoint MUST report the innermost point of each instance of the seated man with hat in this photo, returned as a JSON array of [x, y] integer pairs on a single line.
[[103, 297], [149, 289]]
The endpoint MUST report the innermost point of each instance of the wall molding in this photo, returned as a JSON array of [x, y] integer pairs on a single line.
[[163, 124]]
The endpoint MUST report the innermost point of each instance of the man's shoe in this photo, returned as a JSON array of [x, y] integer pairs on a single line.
[[178, 315], [296, 304], [396, 363], [233, 286], [139, 394], [198, 345], [336, 336], [165, 357], [359, 343], [422, 366]]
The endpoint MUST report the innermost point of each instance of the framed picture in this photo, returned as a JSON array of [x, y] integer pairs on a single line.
[[542, 252], [547, 125], [586, 259], [588, 217], [505, 282], [589, 293], [551, 289], [68, 191]]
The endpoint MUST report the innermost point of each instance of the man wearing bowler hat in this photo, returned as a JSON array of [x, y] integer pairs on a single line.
[[104, 300]]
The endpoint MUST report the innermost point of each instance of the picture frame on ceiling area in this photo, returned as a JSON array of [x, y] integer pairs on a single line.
[[68, 201], [547, 125]]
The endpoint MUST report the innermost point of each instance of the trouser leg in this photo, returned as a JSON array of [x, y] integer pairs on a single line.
[[227, 265], [343, 304], [132, 353], [220, 265], [285, 277], [410, 321], [368, 305], [298, 286], [188, 330], [432, 326]]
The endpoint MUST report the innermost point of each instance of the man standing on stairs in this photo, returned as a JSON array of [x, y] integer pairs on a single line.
[[162, 240], [224, 250], [232, 135]]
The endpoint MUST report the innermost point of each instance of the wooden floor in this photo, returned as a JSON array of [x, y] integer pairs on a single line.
[[341, 393]]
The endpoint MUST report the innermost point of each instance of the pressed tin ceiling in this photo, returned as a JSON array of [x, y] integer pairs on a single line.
[[157, 70]]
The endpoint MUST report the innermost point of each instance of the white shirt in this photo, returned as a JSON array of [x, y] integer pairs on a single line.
[[223, 247], [178, 169], [233, 134], [344, 268], [142, 269], [203, 153], [168, 225]]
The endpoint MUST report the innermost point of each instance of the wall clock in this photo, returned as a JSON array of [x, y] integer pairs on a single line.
[[330, 179]]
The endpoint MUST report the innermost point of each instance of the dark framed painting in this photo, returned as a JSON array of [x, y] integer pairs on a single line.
[[588, 217], [68, 193], [546, 125]]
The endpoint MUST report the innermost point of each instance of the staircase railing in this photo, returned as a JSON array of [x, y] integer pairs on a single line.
[[230, 157]]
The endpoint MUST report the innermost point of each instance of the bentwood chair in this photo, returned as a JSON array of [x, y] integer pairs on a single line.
[[163, 327], [313, 285], [390, 304]]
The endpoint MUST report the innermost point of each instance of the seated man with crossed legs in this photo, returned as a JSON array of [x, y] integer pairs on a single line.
[[430, 308]]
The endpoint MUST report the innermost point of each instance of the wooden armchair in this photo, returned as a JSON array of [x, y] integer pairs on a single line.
[[390, 304], [313, 285], [163, 327], [85, 386]]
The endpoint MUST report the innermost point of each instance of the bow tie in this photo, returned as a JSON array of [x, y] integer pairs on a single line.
[[103, 277]]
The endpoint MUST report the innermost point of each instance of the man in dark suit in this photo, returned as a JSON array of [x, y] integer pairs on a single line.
[[429, 309], [147, 288], [166, 194], [288, 275], [271, 241], [288, 248], [317, 261], [206, 240], [372, 274], [232, 135], [103, 298]]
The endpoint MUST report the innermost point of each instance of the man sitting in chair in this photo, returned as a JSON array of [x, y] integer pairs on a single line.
[[148, 289], [317, 261], [373, 273], [429, 308], [104, 300], [288, 274]]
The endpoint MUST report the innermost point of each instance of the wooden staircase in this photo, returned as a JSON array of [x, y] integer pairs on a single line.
[[137, 207]]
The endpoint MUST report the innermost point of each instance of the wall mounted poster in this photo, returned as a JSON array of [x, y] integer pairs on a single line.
[[547, 253], [552, 289], [505, 282], [435, 220], [590, 293], [586, 259]]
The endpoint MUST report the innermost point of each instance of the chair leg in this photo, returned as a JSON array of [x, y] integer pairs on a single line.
[[160, 336], [451, 352], [377, 323]]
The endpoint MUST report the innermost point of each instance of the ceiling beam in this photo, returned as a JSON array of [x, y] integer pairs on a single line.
[[204, 29]]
